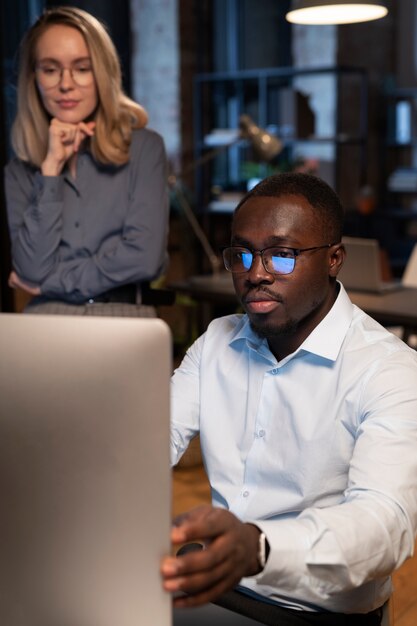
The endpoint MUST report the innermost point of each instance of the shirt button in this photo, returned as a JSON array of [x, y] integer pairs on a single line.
[[274, 371], [77, 224], [261, 433], [245, 494]]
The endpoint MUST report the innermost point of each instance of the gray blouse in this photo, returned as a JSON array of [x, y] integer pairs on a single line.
[[78, 238]]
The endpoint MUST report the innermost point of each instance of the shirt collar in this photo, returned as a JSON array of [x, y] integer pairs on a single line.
[[327, 337], [244, 333], [324, 341]]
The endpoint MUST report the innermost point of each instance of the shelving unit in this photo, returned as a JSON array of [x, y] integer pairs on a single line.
[[318, 113], [399, 176], [400, 167]]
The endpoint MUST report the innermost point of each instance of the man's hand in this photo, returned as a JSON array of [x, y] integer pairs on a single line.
[[14, 282], [230, 552]]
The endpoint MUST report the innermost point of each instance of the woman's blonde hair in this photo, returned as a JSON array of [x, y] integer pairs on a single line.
[[116, 114]]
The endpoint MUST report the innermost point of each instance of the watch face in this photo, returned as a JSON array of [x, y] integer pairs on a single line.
[[262, 550]]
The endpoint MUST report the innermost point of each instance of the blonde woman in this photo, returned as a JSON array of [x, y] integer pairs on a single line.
[[86, 194]]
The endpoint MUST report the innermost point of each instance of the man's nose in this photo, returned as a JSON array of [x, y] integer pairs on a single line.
[[257, 272]]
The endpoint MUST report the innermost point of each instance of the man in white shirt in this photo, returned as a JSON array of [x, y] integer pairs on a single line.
[[307, 414]]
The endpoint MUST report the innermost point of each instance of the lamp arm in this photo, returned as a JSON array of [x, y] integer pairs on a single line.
[[214, 260], [198, 231], [208, 156]]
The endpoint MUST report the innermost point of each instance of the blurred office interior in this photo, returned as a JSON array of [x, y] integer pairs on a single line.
[[342, 100]]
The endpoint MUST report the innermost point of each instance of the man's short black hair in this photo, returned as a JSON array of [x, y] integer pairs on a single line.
[[315, 190]]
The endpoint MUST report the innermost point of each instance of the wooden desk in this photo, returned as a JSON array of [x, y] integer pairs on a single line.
[[395, 308]]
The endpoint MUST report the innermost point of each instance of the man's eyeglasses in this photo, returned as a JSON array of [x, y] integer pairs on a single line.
[[49, 75], [276, 260]]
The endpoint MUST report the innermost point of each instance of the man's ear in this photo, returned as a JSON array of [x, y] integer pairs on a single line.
[[336, 259]]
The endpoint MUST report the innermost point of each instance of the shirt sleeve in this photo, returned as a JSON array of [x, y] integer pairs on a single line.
[[138, 253], [324, 551], [34, 211]]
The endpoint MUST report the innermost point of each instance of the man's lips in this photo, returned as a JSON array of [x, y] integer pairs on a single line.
[[261, 302]]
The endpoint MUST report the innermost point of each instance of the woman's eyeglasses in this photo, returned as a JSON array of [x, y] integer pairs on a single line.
[[276, 260], [49, 75]]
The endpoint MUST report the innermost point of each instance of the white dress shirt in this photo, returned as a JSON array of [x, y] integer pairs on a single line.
[[319, 449]]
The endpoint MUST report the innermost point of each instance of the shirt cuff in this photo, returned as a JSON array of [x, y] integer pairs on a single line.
[[286, 559], [49, 188]]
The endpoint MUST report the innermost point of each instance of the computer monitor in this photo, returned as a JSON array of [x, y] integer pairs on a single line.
[[84, 470]]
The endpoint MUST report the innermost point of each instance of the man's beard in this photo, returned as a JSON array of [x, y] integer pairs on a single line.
[[265, 330]]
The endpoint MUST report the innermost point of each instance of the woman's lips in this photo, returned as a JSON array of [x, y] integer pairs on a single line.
[[67, 104]]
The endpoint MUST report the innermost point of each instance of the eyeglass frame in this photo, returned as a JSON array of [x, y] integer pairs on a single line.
[[38, 68], [296, 252]]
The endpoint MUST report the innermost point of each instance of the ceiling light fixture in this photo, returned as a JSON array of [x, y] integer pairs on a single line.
[[335, 11]]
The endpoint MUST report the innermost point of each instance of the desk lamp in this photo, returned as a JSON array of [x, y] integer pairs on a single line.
[[265, 147]]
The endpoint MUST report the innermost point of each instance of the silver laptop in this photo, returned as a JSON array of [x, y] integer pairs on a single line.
[[361, 270], [84, 470]]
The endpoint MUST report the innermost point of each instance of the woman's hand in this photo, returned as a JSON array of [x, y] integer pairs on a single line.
[[14, 282], [230, 552], [64, 141]]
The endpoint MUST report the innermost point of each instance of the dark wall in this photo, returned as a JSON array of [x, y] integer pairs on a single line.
[[6, 300], [249, 34], [15, 17], [265, 22], [196, 36], [378, 39]]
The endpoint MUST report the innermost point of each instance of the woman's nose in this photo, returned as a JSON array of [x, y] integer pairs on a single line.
[[67, 81]]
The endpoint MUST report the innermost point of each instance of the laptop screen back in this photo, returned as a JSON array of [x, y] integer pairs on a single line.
[[84, 470], [362, 267]]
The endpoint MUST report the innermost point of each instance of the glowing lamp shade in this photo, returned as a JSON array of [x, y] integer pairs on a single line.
[[335, 11]]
